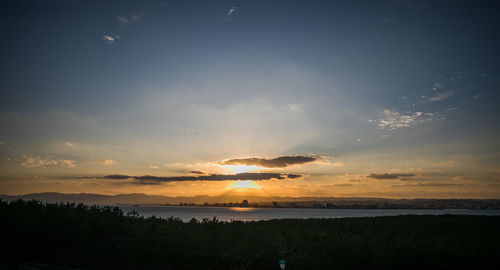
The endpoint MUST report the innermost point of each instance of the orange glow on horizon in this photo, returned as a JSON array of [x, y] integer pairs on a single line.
[[244, 185]]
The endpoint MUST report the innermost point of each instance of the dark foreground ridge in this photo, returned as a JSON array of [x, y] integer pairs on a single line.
[[91, 237]]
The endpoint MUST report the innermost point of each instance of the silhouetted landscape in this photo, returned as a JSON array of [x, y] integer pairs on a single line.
[[91, 237], [259, 201], [249, 134]]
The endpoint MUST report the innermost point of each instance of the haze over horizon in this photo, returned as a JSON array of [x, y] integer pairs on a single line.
[[392, 99]]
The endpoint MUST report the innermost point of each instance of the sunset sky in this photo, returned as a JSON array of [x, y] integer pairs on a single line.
[[395, 99]]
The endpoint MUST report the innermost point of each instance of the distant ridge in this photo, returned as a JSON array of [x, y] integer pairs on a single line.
[[144, 199], [141, 198]]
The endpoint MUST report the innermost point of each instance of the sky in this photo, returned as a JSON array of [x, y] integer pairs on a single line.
[[394, 99]]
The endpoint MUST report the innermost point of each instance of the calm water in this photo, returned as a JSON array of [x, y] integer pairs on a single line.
[[186, 213]]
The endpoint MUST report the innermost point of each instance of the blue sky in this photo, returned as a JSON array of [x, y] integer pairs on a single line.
[[166, 87]]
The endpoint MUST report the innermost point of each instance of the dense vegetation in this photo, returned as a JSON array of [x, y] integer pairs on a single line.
[[103, 237]]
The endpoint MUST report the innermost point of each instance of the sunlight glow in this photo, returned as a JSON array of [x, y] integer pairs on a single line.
[[246, 184], [241, 168]]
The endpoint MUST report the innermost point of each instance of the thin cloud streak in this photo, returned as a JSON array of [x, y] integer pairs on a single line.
[[389, 176], [110, 39], [231, 11], [35, 162], [442, 96]]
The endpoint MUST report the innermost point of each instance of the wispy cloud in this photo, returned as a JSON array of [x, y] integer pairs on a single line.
[[231, 11], [139, 16], [279, 162], [394, 120], [437, 86], [34, 162], [106, 161], [132, 18], [295, 107], [123, 20], [442, 96], [110, 39], [389, 176], [67, 163], [70, 144], [427, 184], [478, 96]]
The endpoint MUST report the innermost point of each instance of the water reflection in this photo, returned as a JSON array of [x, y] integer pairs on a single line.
[[186, 213], [242, 209]]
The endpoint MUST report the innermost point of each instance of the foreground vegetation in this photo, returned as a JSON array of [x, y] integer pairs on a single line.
[[93, 237]]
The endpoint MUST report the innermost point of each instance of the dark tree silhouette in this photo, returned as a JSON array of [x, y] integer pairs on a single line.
[[92, 237]]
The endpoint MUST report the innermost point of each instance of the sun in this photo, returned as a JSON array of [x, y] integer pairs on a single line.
[[243, 185], [241, 168]]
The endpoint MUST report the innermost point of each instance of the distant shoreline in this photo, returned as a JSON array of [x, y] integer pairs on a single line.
[[296, 207], [262, 202]]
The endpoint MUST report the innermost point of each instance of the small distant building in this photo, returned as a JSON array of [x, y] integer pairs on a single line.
[[244, 203], [275, 204]]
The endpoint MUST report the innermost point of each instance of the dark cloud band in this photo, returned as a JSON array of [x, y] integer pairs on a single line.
[[279, 162], [389, 176], [150, 179]]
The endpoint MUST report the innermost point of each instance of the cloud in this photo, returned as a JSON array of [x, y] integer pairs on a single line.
[[150, 179], [342, 185], [132, 18], [110, 39], [463, 179], [197, 172], [113, 176], [137, 17], [34, 162], [67, 163], [106, 161], [427, 184], [445, 163], [153, 167], [389, 176], [437, 86], [123, 20], [394, 120], [2, 142], [442, 96], [70, 144], [231, 11], [279, 162], [295, 107], [438, 184]]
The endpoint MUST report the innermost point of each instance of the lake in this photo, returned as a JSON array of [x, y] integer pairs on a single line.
[[186, 213]]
